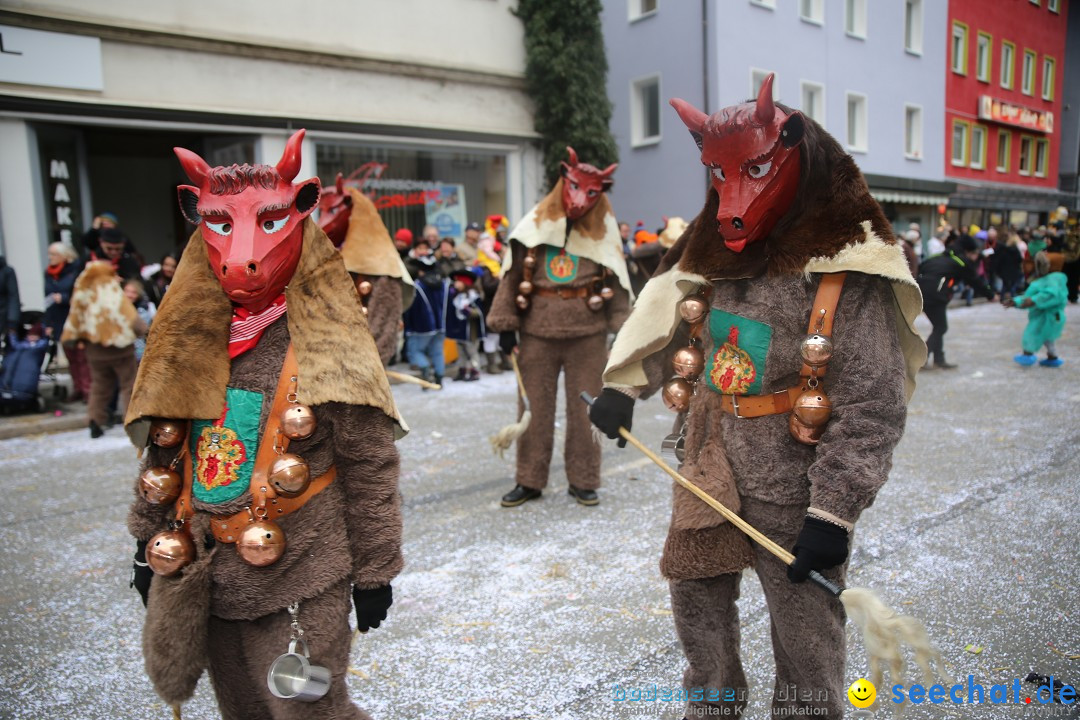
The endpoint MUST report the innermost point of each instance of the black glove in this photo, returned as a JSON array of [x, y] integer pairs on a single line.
[[821, 545], [611, 411], [141, 574], [371, 606], [508, 341]]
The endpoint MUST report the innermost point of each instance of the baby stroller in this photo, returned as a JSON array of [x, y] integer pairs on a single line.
[[21, 369]]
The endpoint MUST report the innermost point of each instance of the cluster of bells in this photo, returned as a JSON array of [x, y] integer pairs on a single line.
[[262, 541], [601, 293], [812, 408]]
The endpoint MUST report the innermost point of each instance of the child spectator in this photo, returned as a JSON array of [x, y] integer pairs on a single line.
[[1045, 299], [465, 323]]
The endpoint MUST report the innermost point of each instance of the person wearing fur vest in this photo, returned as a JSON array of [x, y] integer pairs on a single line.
[[787, 296], [268, 501], [564, 287], [105, 324]]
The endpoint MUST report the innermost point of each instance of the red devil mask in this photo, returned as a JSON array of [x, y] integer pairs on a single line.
[[582, 185], [752, 152], [334, 207], [251, 219]]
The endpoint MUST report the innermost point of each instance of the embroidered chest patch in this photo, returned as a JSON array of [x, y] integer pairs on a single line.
[[224, 450], [560, 266], [735, 365]]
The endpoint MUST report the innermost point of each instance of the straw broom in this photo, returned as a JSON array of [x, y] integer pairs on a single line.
[[502, 440], [885, 633]]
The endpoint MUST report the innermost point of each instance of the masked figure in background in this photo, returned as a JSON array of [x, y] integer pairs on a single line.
[[779, 326], [564, 288], [269, 491], [384, 285]]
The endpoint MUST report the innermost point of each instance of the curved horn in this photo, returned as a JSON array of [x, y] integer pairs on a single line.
[[339, 183], [765, 109], [289, 165], [693, 118], [573, 155], [606, 172], [194, 166]]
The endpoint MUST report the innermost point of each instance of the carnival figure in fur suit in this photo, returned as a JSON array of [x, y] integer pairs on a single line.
[[270, 482], [384, 285], [564, 288], [786, 297]]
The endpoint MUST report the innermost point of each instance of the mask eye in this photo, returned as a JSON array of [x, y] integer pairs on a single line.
[[593, 193], [757, 171], [573, 186], [718, 173], [221, 228], [272, 226]]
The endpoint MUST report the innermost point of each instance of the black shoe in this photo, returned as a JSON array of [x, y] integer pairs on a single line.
[[584, 497], [462, 374], [95, 430], [519, 496], [945, 365]]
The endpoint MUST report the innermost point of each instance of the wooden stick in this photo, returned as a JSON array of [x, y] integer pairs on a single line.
[[176, 711], [394, 375], [520, 382]]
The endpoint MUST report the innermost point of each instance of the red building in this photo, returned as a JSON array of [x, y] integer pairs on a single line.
[[1002, 97]]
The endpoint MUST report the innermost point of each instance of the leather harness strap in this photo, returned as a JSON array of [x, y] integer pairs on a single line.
[[566, 293], [227, 528], [821, 323]]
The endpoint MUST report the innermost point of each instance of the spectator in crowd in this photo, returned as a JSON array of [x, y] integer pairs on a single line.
[[60, 276], [937, 277], [10, 306], [431, 234], [134, 292], [447, 258], [115, 247], [425, 320], [403, 240], [910, 243], [1071, 253], [489, 269], [467, 250], [1045, 300], [936, 244], [1008, 266], [465, 322], [159, 281], [89, 240]]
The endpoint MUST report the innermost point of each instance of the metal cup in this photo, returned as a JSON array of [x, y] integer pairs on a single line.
[[673, 449], [293, 677]]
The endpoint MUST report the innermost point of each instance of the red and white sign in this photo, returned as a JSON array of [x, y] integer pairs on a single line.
[[1009, 113]]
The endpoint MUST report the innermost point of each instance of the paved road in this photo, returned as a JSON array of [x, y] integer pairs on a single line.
[[540, 611]]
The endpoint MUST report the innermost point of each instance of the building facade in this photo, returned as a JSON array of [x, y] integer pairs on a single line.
[[868, 71], [1004, 88], [423, 102]]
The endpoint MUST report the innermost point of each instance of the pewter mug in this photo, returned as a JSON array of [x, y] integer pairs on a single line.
[[293, 677]]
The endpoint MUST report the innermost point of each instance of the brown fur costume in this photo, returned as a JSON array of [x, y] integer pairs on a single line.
[[833, 226], [559, 334], [348, 534]]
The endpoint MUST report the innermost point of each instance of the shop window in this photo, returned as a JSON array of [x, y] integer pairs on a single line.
[[984, 56], [1048, 78], [642, 8], [855, 18], [812, 11], [959, 47], [978, 147], [913, 132], [1024, 166], [645, 111], [1042, 148], [1053, 6], [913, 21], [1008, 64], [1027, 73], [1004, 146], [857, 128], [961, 135], [757, 79], [813, 100]]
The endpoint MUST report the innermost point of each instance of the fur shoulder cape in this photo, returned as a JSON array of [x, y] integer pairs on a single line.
[[368, 249], [99, 311], [186, 366], [595, 236], [655, 317]]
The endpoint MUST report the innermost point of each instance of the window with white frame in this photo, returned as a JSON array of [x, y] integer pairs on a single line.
[[984, 50], [771, 4], [645, 110], [961, 134], [1027, 73], [757, 78], [978, 147], [1048, 78], [1024, 165], [1008, 64], [1003, 150], [913, 132], [857, 125], [1052, 6], [642, 8], [813, 101], [959, 47], [913, 20], [1041, 149], [812, 11], [855, 17]]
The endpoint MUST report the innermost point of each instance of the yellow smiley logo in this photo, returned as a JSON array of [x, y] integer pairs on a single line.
[[862, 693]]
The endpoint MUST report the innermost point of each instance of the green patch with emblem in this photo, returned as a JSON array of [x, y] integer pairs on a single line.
[[223, 450], [736, 363], [560, 266]]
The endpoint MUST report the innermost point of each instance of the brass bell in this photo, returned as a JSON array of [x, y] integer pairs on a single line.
[[529, 262], [525, 287], [677, 392], [804, 433], [363, 309], [159, 485], [166, 433], [812, 408], [289, 475], [298, 422], [688, 362], [169, 552], [595, 302], [693, 308], [522, 302], [364, 287], [816, 350], [261, 543], [607, 293]]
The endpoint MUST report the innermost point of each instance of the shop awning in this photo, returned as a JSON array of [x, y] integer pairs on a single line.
[[908, 198]]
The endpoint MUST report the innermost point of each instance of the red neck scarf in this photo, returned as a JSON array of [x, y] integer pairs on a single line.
[[247, 327], [55, 270]]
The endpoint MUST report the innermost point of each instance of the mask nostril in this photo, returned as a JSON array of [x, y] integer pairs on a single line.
[[252, 268], [224, 269], [737, 223]]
